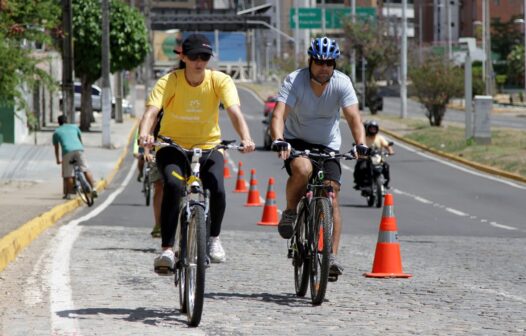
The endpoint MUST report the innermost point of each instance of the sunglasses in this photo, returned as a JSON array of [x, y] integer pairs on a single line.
[[202, 57], [331, 63]]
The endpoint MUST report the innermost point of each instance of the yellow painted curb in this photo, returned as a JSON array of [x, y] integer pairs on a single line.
[[478, 166], [13, 243]]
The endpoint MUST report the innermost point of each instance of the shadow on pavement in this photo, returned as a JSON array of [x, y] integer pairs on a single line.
[[287, 299], [141, 314]]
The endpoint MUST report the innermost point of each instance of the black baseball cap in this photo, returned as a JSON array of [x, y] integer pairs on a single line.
[[197, 44]]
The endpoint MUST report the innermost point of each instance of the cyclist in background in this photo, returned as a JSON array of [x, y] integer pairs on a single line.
[[138, 153], [69, 138], [374, 141], [307, 116], [190, 100]]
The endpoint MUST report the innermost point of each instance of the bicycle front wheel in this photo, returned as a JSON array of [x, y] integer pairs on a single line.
[[320, 248], [299, 256], [195, 269], [85, 190], [147, 187]]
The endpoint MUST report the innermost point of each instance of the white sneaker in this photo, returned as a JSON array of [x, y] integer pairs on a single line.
[[215, 250], [164, 264]]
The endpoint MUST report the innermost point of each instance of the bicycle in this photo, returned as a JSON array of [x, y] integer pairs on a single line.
[[81, 184], [146, 183], [193, 232], [311, 244]]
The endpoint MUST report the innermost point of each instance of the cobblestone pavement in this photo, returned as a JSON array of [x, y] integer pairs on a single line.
[[115, 291]]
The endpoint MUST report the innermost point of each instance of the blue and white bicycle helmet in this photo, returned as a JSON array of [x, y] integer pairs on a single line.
[[324, 48]]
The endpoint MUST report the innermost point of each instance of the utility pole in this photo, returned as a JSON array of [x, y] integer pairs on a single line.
[[68, 93], [487, 38], [323, 19], [296, 33], [403, 80], [353, 51], [106, 91]]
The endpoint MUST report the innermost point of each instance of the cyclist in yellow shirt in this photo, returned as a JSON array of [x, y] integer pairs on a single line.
[[190, 100]]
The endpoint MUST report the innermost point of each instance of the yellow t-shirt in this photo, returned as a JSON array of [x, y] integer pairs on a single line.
[[191, 114], [376, 142]]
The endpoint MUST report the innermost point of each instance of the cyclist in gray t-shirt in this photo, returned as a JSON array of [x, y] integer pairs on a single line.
[[307, 116]]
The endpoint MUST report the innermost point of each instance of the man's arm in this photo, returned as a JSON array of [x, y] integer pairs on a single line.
[[241, 127], [57, 157], [352, 115], [277, 127]]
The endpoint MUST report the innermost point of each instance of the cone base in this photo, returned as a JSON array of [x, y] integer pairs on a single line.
[[268, 223], [387, 275]]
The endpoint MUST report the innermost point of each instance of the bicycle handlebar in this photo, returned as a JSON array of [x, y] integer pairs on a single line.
[[324, 156], [225, 144]]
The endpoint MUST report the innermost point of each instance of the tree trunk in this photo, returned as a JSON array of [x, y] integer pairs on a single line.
[[370, 96], [436, 114], [86, 106]]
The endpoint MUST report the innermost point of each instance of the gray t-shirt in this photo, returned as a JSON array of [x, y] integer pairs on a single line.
[[316, 119]]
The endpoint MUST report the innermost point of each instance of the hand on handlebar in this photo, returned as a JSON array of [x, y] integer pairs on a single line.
[[146, 141], [359, 151], [248, 146], [282, 147]]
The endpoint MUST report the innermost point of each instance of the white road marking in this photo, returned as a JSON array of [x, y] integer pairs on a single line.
[[502, 226], [61, 300], [457, 212]]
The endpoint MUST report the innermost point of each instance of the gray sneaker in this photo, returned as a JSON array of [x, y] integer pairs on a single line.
[[286, 224], [164, 264]]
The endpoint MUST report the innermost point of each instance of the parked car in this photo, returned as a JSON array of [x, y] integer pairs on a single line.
[[270, 103], [96, 100]]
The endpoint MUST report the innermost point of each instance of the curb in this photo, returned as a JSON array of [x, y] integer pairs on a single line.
[[478, 166], [14, 242]]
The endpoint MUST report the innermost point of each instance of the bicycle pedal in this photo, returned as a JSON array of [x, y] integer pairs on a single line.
[[163, 270], [333, 278]]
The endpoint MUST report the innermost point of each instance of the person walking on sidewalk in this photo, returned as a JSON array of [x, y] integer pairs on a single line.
[[190, 100], [307, 116], [69, 138]]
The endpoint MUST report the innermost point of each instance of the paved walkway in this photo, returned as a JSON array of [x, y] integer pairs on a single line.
[[31, 185]]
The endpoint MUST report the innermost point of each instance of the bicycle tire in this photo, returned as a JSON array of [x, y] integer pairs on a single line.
[[195, 272], [320, 255], [180, 274], [85, 191], [299, 256], [147, 187]]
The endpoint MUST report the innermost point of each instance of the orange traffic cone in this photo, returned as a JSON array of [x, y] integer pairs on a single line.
[[270, 210], [253, 193], [387, 259], [226, 170], [241, 185]]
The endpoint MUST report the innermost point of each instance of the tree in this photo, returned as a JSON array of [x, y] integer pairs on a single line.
[[435, 82], [372, 41], [23, 23], [516, 63], [128, 45]]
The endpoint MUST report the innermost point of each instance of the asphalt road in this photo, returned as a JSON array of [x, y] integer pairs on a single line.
[[462, 236]]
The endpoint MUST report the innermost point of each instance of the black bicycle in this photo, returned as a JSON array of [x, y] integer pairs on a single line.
[[193, 232], [311, 244], [82, 187]]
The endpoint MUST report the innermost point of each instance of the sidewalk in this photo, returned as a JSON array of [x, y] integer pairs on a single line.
[[31, 184]]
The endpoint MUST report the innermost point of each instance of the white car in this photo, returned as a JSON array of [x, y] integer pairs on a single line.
[[96, 100]]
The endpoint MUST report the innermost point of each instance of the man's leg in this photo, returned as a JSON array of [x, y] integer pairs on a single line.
[[157, 201], [336, 218]]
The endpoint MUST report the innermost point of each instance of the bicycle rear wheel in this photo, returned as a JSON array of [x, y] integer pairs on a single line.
[[85, 190], [299, 257], [195, 269], [320, 248]]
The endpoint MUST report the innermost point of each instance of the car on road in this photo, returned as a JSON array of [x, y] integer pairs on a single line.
[[378, 100], [270, 103], [267, 140]]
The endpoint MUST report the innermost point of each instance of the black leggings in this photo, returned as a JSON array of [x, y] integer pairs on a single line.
[[171, 163]]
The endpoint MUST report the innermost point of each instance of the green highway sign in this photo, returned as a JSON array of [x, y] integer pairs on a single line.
[[310, 18]]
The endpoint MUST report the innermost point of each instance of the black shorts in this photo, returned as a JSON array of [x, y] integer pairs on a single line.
[[331, 168]]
